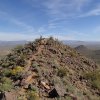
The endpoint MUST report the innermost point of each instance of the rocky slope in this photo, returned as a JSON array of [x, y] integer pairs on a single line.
[[47, 70], [92, 54], [83, 50]]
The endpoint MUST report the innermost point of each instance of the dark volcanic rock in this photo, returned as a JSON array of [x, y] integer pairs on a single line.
[[53, 93]]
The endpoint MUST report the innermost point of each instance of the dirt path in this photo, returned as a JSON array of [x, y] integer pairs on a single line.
[[27, 67]]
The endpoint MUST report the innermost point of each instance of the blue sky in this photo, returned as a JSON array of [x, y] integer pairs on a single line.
[[63, 19]]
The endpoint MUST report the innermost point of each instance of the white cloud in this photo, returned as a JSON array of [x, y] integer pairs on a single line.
[[31, 37], [94, 36], [93, 12], [71, 35], [17, 36], [28, 28], [52, 25], [64, 8], [41, 29], [15, 21], [60, 36], [59, 9]]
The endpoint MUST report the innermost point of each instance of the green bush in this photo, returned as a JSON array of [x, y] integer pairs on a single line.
[[6, 84], [35, 64], [5, 64], [94, 78], [17, 70], [62, 72], [6, 72], [73, 54], [96, 83], [33, 95]]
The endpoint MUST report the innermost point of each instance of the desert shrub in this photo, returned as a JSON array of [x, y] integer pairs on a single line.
[[73, 54], [33, 95], [62, 72], [17, 70], [35, 64], [68, 98], [94, 78], [20, 98], [71, 88], [13, 60], [6, 84], [5, 64], [96, 83], [6, 72]]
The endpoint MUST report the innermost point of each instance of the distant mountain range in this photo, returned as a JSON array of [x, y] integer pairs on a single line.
[[94, 45], [83, 49], [6, 46], [93, 54], [11, 43], [72, 43], [89, 49]]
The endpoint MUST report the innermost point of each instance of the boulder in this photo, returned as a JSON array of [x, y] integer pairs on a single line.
[[8, 96], [44, 84], [59, 87], [2, 96], [60, 90], [53, 93]]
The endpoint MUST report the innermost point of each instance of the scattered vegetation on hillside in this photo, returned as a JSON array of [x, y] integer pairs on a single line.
[[46, 69], [94, 78]]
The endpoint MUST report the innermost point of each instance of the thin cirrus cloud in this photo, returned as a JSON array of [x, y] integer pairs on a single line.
[[51, 17], [59, 9], [17, 22], [17, 36], [21, 24], [62, 6], [62, 9], [93, 12]]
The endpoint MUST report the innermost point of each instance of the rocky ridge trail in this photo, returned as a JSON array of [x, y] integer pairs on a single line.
[[46, 69], [33, 57]]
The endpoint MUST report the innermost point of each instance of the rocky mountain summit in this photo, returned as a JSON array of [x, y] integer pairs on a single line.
[[46, 69]]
